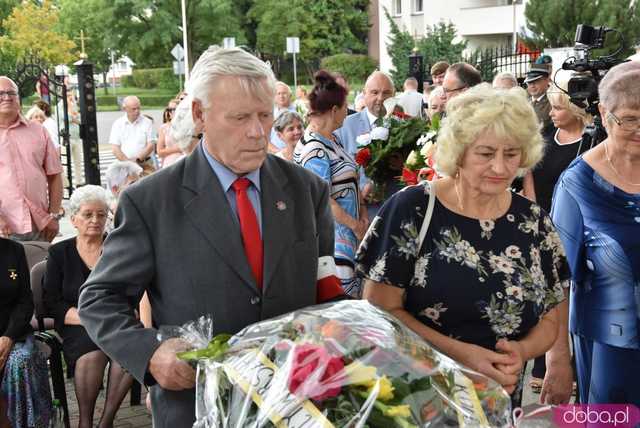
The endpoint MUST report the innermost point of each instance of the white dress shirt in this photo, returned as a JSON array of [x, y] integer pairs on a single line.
[[132, 137]]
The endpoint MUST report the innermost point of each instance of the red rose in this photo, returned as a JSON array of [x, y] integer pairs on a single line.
[[315, 373], [363, 156], [409, 177]]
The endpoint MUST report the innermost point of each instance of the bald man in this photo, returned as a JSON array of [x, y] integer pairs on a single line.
[[132, 137]]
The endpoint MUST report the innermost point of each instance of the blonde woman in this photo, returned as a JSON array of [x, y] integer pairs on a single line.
[[486, 285], [563, 143]]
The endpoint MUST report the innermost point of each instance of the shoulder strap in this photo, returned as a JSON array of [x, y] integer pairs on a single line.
[[427, 216]]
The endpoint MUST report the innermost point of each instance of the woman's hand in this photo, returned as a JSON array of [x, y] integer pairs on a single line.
[[557, 387], [515, 351], [360, 228], [6, 343], [486, 362]]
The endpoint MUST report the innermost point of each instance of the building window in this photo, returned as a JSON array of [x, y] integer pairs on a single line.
[[418, 6], [397, 7]]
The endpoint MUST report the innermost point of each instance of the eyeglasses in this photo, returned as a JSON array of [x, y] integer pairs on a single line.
[[627, 123], [99, 216], [8, 94], [446, 91]]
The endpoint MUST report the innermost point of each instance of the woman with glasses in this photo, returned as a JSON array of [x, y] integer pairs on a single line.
[[596, 208], [69, 264], [485, 282], [167, 150]]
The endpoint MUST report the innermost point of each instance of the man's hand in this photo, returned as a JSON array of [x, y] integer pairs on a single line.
[[557, 387], [5, 230], [50, 231], [366, 191], [6, 343], [170, 372], [361, 228]]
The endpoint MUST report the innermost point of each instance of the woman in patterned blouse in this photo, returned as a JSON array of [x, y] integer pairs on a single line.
[[487, 285]]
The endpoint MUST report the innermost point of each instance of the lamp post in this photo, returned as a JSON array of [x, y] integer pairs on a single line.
[[185, 41]]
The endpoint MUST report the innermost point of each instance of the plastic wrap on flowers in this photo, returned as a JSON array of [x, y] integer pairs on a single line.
[[345, 364]]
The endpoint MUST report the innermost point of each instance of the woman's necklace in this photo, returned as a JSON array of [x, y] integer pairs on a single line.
[[606, 153]]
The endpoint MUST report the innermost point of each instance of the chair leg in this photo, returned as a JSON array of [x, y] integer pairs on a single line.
[[57, 377], [136, 393]]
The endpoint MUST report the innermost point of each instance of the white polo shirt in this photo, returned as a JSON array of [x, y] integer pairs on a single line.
[[132, 137]]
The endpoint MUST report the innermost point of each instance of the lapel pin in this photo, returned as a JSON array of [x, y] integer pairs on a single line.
[[12, 274], [281, 205]]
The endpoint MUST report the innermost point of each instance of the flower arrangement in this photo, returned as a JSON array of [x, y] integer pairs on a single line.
[[420, 164], [344, 364]]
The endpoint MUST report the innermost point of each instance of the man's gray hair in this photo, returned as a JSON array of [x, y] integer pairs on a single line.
[[254, 75], [285, 118], [119, 171], [14, 84], [505, 75], [183, 129], [87, 194]]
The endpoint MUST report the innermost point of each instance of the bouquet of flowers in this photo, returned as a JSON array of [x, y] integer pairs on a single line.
[[420, 163], [344, 364], [383, 151]]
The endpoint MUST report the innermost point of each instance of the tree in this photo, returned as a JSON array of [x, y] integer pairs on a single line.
[[33, 29], [436, 45], [92, 17], [325, 27], [6, 6], [148, 30], [552, 24]]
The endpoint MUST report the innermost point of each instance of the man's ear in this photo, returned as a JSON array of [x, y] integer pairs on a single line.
[[197, 112]]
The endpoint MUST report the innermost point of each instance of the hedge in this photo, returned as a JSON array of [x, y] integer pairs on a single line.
[[145, 100], [356, 68], [152, 78]]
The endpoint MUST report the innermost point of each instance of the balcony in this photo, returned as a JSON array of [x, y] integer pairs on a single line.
[[481, 17]]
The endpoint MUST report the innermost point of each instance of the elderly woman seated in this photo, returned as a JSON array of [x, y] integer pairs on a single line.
[[25, 398], [487, 282], [69, 264]]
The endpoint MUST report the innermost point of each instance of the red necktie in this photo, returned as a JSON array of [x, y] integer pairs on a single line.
[[249, 228]]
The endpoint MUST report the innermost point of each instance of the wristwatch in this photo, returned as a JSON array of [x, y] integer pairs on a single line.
[[57, 216]]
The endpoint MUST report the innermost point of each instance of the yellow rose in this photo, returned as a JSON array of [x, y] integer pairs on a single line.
[[359, 374], [386, 389], [403, 411]]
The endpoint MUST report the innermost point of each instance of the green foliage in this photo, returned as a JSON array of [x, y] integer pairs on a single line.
[[146, 101], [33, 29], [355, 68], [437, 45], [552, 23], [325, 27], [6, 7], [151, 77]]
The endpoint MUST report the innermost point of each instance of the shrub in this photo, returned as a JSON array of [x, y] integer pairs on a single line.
[[126, 81], [151, 78], [146, 101], [356, 68]]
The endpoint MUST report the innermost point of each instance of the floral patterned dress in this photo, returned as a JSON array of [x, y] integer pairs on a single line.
[[474, 280]]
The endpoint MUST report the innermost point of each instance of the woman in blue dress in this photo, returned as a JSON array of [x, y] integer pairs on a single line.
[[596, 208], [321, 152]]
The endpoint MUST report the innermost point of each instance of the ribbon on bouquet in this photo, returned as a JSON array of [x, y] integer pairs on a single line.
[[254, 373]]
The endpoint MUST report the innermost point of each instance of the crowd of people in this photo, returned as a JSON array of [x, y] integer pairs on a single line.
[[249, 204]]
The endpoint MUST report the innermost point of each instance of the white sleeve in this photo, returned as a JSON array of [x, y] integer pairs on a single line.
[[114, 136]]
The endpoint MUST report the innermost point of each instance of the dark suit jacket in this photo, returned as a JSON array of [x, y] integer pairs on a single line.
[[176, 238], [16, 300]]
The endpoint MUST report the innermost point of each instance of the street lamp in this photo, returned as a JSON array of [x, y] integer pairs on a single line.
[[185, 42]]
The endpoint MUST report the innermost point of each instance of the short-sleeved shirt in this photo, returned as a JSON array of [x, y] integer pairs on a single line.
[[132, 137], [474, 280], [27, 158]]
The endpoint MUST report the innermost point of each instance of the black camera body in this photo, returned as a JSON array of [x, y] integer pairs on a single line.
[[582, 88]]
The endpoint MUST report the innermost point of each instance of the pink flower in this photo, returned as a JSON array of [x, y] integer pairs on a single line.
[[315, 373]]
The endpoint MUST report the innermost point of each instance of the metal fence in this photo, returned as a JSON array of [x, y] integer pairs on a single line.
[[502, 58]]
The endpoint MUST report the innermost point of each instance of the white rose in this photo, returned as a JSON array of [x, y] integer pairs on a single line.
[[412, 159], [380, 133], [363, 140], [427, 149]]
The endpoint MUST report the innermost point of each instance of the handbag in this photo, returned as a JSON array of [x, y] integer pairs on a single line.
[[427, 216]]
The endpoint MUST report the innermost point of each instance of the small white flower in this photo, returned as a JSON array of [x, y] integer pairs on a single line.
[[499, 295], [379, 133], [487, 225], [377, 271], [363, 140], [515, 292], [501, 264], [511, 218], [513, 252]]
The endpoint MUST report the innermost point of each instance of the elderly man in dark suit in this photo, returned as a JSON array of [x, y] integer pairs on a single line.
[[228, 231]]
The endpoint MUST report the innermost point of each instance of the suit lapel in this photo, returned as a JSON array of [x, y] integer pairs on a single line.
[[278, 211], [365, 120], [210, 213]]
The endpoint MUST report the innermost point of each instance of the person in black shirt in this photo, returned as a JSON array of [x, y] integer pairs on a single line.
[[25, 397], [69, 264]]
